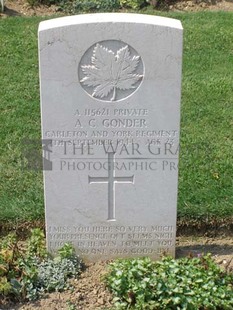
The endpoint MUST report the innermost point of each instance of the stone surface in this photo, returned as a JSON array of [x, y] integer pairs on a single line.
[[110, 102]]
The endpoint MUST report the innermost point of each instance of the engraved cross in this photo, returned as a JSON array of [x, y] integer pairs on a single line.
[[111, 179]]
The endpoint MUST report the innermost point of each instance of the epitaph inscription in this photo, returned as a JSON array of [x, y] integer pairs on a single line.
[[115, 240], [110, 102]]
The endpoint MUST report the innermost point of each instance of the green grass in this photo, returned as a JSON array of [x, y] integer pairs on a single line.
[[206, 161], [21, 194]]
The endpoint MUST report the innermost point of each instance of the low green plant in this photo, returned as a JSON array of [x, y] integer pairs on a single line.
[[67, 251], [27, 274], [53, 273], [186, 283], [9, 254], [33, 3], [70, 305], [90, 5], [5, 286], [133, 4], [36, 243]]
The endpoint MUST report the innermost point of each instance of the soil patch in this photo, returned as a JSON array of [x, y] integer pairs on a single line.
[[201, 5]]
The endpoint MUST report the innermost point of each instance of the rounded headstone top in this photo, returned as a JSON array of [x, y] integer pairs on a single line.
[[109, 18]]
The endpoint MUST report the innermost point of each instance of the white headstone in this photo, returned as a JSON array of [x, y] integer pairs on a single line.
[[110, 102]]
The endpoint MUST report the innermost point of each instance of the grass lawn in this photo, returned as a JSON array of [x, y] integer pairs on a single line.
[[206, 161]]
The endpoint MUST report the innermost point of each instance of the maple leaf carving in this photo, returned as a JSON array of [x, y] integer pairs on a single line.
[[109, 71]]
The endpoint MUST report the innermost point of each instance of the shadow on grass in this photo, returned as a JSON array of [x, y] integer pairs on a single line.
[[10, 12], [214, 249]]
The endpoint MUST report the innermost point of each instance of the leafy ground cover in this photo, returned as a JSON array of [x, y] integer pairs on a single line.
[[187, 283], [206, 165]]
